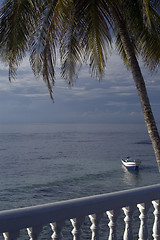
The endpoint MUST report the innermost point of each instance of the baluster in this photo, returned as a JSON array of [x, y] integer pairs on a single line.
[[95, 220], [128, 211], [11, 235], [77, 223], [57, 230], [113, 215], [143, 230], [34, 232], [156, 225]]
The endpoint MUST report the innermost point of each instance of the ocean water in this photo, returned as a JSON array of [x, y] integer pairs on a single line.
[[43, 163]]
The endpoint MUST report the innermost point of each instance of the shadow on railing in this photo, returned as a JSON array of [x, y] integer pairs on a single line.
[[94, 208]]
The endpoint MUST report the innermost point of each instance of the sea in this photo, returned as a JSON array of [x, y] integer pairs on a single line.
[[47, 162]]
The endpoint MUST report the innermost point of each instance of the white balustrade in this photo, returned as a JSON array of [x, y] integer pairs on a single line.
[[77, 223], [143, 230], [156, 225], [57, 230], [113, 215], [77, 210], [34, 232], [95, 220], [128, 211], [11, 235]]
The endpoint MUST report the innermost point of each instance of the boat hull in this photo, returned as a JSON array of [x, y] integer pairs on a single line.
[[131, 164]]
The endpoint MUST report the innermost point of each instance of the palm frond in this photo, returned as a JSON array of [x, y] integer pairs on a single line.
[[150, 50], [70, 57], [55, 31], [146, 13], [121, 49], [94, 29], [148, 39], [48, 66], [16, 23], [70, 47], [144, 34], [42, 46]]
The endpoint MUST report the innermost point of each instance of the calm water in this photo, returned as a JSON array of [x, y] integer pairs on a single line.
[[42, 163]]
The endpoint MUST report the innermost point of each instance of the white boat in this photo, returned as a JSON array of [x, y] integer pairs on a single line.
[[131, 164]]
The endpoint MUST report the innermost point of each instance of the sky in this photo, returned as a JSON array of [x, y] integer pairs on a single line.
[[114, 99]]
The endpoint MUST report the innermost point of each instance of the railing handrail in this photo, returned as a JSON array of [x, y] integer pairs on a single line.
[[11, 220]]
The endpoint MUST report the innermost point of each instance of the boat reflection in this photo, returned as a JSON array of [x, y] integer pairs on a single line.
[[130, 176]]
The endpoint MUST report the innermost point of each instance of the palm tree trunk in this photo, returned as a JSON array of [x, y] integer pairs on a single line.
[[141, 88]]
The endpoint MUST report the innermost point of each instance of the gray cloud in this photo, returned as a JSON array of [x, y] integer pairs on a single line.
[[113, 99]]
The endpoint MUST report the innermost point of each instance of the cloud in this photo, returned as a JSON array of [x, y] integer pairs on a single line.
[[34, 95], [120, 103], [113, 99]]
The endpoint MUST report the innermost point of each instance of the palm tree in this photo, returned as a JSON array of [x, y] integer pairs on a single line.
[[83, 31]]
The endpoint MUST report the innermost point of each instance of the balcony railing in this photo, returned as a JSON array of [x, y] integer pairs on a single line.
[[119, 205]]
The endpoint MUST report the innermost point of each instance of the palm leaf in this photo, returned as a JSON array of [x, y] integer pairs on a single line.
[[70, 47], [144, 36], [42, 46], [146, 12], [148, 37], [47, 38], [16, 23], [94, 28]]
